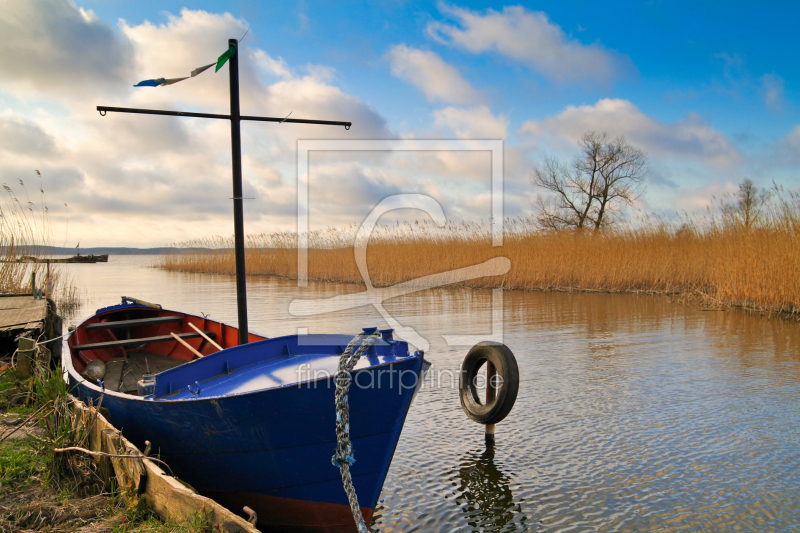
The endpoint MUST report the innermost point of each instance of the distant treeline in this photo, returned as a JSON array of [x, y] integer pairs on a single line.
[[58, 250]]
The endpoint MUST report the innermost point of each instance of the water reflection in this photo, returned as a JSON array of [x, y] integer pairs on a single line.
[[484, 492]]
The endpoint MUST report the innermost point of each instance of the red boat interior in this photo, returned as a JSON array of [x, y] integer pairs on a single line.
[[132, 343]]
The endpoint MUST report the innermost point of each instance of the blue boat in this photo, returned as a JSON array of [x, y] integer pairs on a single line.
[[252, 424]]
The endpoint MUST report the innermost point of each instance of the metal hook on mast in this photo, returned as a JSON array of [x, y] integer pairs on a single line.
[[102, 112]]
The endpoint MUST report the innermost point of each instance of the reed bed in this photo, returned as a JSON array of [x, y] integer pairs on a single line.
[[25, 233], [713, 256]]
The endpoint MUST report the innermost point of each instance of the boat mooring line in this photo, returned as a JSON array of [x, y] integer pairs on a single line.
[[119, 456]]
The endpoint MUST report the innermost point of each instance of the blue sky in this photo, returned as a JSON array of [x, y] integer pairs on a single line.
[[709, 90]]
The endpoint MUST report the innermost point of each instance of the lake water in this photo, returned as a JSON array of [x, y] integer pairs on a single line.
[[634, 413]]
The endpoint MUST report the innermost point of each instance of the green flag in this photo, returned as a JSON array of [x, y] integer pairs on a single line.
[[225, 57]]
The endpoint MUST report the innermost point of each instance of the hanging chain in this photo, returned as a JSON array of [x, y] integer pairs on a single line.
[[343, 457]]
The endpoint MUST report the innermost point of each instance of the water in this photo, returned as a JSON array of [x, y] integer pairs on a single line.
[[634, 413]]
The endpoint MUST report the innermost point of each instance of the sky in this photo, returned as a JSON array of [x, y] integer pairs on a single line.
[[709, 90]]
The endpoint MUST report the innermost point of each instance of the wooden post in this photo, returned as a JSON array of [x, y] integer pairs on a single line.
[[235, 118], [49, 285], [491, 394], [238, 209], [25, 357]]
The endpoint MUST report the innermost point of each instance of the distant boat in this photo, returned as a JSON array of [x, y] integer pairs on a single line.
[[251, 424], [91, 258]]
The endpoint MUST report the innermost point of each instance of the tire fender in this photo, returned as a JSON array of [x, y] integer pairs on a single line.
[[505, 365]]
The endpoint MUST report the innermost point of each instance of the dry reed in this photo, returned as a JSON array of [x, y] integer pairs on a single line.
[[25, 233], [713, 256]]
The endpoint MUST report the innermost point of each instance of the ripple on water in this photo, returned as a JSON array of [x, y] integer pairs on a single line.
[[660, 418]]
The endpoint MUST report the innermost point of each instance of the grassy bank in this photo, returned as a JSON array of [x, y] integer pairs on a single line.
[[41, 490], [717, 256]]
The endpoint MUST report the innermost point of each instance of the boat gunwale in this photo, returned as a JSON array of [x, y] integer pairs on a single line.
[[80, 380]]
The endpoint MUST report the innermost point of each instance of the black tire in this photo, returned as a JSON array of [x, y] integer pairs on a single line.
[[505, 365]]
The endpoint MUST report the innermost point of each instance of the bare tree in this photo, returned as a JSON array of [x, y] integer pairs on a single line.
[[604, 175], [749, 203]]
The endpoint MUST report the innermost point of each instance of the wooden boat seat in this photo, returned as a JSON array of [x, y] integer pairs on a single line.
[[133, 323], [127, 343]]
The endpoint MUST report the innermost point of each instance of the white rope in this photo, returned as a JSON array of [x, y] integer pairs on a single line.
[[50, 340]]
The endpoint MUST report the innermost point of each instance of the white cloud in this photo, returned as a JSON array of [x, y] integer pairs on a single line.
[[697, 199], [429, 73], [309, 97], [146, 180], [781, 158], [20, 136], [772, 90], [530, 37], [51, 48], [690, 138], [185, 42], [471, 123], [794, 136], [276, 67]]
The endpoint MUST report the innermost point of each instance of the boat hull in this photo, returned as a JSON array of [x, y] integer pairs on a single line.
[[286, 515], [271, 449]]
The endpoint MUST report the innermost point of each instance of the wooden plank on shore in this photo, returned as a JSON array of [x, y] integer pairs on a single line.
[[20, 317], [177, 503], [20, 301], [130, 473], [165, 495]]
